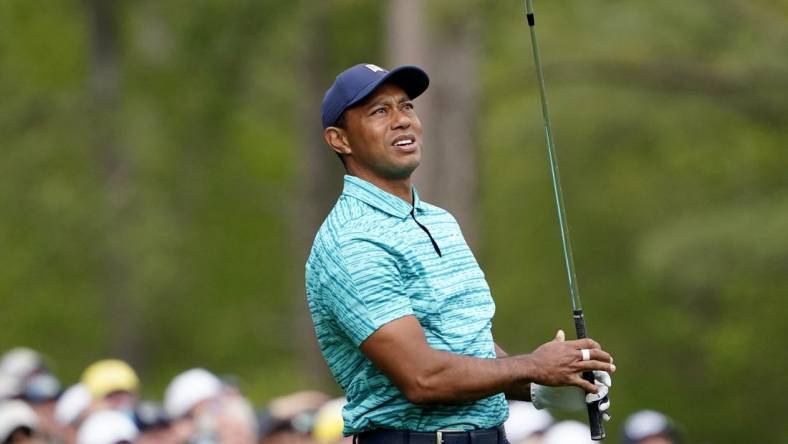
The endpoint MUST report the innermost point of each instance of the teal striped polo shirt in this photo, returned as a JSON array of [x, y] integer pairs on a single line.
[[372, 263]]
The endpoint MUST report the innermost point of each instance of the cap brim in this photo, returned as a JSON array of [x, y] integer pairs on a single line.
[[412, 79]]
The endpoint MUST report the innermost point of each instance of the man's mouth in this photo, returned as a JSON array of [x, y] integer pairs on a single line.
[[407, 141]]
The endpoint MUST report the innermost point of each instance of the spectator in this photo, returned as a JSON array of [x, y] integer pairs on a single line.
[[197, 401], [107, 427], [329, 423], [41, 388], [291, 419], [155, 426], [568, 432], [650, 427], [28, 378], [112, 384], [526, 424], [21, 363], [18, 423], [41, 391], [70, 409], [149, 415]]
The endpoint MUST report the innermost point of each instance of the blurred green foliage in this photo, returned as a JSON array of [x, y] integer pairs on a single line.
[[670, 121]]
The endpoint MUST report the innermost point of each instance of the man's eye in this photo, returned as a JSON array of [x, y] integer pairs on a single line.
[[408, 106], [379, 110]]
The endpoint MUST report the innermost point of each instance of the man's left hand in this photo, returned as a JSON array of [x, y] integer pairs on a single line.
[[573, 398]]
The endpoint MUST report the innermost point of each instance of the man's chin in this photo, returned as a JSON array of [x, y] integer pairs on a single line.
[[403, 171]]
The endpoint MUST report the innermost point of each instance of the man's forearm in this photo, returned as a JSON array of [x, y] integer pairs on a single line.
[[452, 378], [426, 375]]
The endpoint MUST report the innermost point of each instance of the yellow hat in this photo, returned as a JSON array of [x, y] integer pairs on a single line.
[[328, 422], [109, 375]]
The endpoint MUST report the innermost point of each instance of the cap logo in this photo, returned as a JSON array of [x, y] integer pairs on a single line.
[[374, 68]]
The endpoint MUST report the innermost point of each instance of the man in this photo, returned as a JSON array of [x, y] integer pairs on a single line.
[[107, 427], [113, 385], [24, 375], [650, 427], [18, 423], [203, 408], [401, 309]]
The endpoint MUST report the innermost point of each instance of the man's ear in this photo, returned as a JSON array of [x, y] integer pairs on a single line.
[[337, 139]]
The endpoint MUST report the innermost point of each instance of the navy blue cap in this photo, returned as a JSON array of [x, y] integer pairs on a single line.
[[354, 84]]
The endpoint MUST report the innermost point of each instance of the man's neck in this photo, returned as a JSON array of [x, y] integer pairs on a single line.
[[402, 188]]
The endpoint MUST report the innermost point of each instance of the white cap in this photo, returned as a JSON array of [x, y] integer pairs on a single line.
[[525, 420], [107, 427], [21, 362], [71, 404], [189, 389], [10, 386], [13, 415], [646, 423], [568, 432]]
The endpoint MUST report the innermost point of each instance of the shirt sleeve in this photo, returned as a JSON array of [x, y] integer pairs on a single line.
[[367, 289]]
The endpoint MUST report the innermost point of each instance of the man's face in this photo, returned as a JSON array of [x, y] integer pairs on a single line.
[[384, 134]]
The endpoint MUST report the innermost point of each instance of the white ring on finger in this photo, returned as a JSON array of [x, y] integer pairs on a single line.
[[585, 353]]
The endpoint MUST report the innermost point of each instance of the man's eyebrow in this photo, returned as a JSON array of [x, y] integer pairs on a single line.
[[386, 99]]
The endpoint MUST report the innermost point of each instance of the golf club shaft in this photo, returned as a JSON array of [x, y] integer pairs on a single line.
[[594, 417]]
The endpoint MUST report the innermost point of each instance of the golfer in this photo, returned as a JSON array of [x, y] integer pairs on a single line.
[[401, 309]]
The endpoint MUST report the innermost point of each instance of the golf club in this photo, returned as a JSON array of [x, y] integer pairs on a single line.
[[594, 416]]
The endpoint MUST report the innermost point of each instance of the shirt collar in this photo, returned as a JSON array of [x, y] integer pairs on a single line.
[[377, 198]]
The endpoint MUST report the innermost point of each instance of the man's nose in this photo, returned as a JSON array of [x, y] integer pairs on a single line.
[[401, 120]]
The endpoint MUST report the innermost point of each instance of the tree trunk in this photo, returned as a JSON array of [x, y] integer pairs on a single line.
[[122, 311], [448, 172], [320, 173]]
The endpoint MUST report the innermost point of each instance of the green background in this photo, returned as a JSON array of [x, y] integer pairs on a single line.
[[158, 219]]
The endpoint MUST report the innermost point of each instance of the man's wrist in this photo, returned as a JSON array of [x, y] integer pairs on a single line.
[[520, 369], [525, 369]]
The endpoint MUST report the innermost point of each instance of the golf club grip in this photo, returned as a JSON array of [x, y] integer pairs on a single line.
[[594, 416]]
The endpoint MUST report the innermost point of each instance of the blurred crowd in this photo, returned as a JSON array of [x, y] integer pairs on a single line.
[[526, 425], [199, 407]]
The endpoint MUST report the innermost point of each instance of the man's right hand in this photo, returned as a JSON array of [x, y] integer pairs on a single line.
[[557, 381], [560, 362]]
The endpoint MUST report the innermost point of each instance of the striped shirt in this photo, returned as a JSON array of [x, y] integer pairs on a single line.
[[372, 263]]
